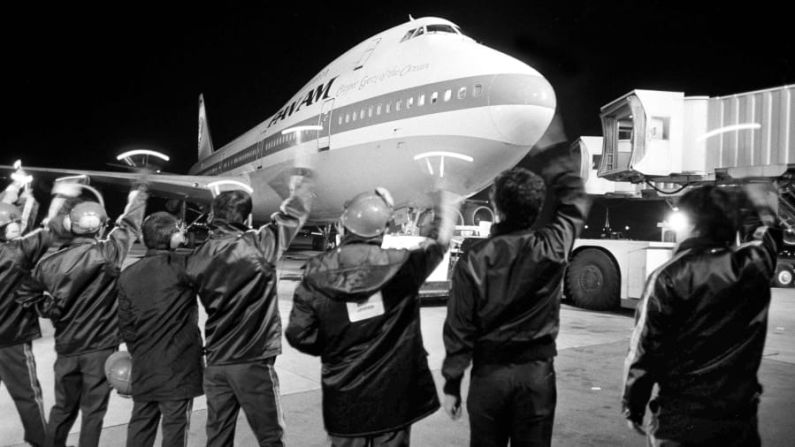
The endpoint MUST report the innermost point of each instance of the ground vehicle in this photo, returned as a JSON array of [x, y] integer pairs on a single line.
[[657, 144]]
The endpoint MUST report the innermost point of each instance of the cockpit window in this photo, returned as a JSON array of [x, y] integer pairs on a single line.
[[408, 34], [440, 28]]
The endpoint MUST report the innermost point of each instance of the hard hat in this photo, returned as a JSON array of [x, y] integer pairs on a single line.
[[118, 369], [9, 213], [367, 214], [86, 218]]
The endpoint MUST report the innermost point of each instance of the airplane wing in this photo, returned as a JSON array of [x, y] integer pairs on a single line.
[[194, 188]]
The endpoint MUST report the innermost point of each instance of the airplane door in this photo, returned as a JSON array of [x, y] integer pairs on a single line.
[[324, 135], [367, 53]]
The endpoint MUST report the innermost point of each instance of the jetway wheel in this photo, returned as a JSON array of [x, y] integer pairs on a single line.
[[592, 280], [784, 275]]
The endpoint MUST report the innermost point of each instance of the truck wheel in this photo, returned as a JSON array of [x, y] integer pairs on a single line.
[[592, 281], [784, 276]]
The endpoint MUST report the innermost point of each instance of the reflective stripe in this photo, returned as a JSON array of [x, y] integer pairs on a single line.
[[34, 381], [278, 399]]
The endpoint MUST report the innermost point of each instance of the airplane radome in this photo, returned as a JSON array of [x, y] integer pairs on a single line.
[[416, 104]]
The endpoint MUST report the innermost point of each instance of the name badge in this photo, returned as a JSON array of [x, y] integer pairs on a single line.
[[369, 308]]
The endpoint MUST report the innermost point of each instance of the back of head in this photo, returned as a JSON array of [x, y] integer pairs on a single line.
[[712, 211], [158, 230], [10, 218], [368, 213], [86, 218], [232, 206], [519, 195]]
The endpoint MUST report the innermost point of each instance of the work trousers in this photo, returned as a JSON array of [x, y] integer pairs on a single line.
[[18, 372], [678, 430], [252, 386], [80, 386], [512, 402], [398, 438], [146, 415]]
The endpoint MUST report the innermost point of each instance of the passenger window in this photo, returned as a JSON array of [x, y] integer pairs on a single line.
[[462, 93], [397, 105], [388, 107], [378, 109], [409, 103], [361, 114], [339, 122], [347, 118], [477, 90], [447, 95], [353, 117], [434, 97], [421, 100], [370, 112]]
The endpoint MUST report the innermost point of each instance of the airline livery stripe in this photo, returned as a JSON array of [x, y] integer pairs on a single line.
[[428, 99]]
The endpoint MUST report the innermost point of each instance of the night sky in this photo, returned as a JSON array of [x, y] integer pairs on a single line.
[[83, 82]]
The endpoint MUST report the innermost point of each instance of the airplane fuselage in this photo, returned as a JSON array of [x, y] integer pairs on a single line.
[[414, 105]]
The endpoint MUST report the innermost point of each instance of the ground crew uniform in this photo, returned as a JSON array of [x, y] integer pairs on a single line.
[[358, 308], [700, 334], [78, 287], [19, 326], [503, 315], [158, 319], [235, 275]]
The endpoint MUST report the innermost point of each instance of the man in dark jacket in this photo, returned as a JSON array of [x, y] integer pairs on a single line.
[[76, 288], [503, 311], [235, 274], [358, 308], [19, 325], [701, 325], [159, 321]]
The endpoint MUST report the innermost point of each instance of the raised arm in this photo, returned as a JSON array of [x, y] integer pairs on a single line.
[[128, 227], [276, 236]]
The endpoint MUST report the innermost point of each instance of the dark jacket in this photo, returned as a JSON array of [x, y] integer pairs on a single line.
[[159, 321], [701, 328], [235, 275], [504, 306], [76, 286], [19, 324], [375, 369]]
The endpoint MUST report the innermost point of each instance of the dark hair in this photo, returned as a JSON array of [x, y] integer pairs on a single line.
[[232, 206], [712, 211], [519, 195], [158, 228]]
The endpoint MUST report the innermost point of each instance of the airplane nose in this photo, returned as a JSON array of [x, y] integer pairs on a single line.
[[521, 107]]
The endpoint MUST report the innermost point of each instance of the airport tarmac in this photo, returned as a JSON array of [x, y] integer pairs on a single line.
[[591, 348]]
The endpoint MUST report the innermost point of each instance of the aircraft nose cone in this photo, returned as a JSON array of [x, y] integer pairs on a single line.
[[521, 107]]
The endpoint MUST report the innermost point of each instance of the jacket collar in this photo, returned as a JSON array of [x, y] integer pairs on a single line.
[[699, 242], [223, 228], [156, 251], [505, 227]]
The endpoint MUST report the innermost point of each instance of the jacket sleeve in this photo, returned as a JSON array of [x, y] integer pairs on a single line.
[[275, 237], [33, 292], [571, 211], [760, 228], [34, 245], [303, 330], [460, 328], [424, 260], [126, 317], [128, 227], [648, 345]]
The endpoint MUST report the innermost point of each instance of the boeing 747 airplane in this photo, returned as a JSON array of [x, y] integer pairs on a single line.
[[403, 109]]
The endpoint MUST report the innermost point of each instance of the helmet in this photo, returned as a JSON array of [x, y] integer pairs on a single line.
[[9, 221], [367, 214], [86, 218], [9, 213], [118, 368]]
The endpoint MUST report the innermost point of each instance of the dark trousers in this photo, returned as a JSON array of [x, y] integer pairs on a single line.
[[512, 402], [399, 438], [252, 386], [146, 415], [80, 386], [18, 372], [676, 430]]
